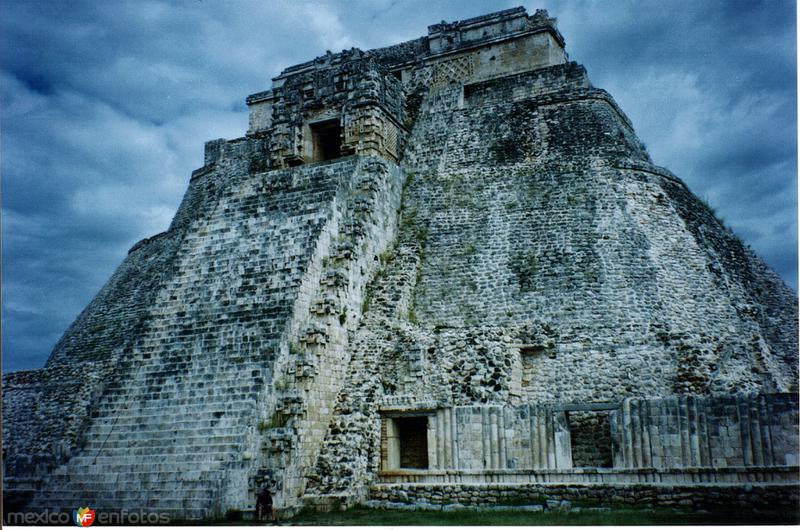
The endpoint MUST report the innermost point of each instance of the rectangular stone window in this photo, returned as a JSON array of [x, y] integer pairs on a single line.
[[327, 140], [530, 354], [590, 433]]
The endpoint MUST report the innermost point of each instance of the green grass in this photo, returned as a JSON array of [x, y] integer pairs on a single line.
[[619, 516]]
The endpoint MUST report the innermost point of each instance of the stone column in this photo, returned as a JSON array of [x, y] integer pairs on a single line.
[[485, 440], [636, 433], [392, 445], [683, 422], [563, 442], [536, 444], [549, 437], [501, 426], [447, 437], [618, 460], [694, 430], [644, 421], [440, 440], [755, 431], [769, 457], [452, 447], [495, 438], [433, 435], [625, 428]]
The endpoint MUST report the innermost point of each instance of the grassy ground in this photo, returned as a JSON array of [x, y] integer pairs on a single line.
[[364, 516]]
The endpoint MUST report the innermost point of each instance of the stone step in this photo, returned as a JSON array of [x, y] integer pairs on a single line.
[[190, 379], [117, 434], [166, 450], [151, 464], [173, 397], [107, 472], [168, 461], [196, 442], [124, 491], [190, 407], [179, 508], [66, 487], [117, 448], [112, 431], [108, 479], [104, 425], [155, 385], [170, 413], [186, 379]]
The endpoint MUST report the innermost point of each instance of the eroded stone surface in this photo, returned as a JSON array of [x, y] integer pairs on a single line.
[[452, 255]]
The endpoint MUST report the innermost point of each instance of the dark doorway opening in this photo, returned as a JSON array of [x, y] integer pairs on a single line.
[[413, 434], [327, 138], [590, 434]]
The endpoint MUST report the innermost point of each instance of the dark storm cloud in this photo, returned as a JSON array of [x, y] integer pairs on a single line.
[[105, 107]]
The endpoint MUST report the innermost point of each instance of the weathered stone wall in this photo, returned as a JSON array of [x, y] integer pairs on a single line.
[[503, 58], [350, 89], [207, 348], [670, 433], [192, 390], [46, 417], [722, 431], [45, 411], [488, 46], [748, 499], [542, 258], [327, 311], [590, 436], [523, 252], [560, 218]]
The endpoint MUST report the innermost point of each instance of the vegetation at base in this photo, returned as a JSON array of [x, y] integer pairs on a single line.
[[617, 516]]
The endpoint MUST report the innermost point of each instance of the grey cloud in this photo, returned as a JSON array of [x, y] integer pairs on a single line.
[[106, 105]]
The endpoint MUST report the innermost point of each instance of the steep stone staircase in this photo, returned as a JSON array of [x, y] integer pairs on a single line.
[[165, 452], [176, 431], [318, 356]]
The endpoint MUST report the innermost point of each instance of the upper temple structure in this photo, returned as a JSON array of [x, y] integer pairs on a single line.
[[441, 272]]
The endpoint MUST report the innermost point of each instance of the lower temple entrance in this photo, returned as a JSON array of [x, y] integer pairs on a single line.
[[413, 435], [404, 442], [590, 434]]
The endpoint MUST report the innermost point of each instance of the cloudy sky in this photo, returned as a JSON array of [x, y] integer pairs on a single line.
[[105, 105]]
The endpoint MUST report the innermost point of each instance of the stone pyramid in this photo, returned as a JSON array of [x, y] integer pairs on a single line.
[[446, 271]]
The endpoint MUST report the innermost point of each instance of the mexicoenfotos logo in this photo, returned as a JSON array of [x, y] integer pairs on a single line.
[[83, 516]]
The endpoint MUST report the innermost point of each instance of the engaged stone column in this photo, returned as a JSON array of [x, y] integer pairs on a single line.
[[501, 425], [433, 436], [452, 446], [563, 443], [548, 437], [392, 445], [495, 441], [441, 436], [447, 438], [536, 460]]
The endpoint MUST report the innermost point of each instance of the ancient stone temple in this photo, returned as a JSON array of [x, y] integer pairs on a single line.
[[442, 272]]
